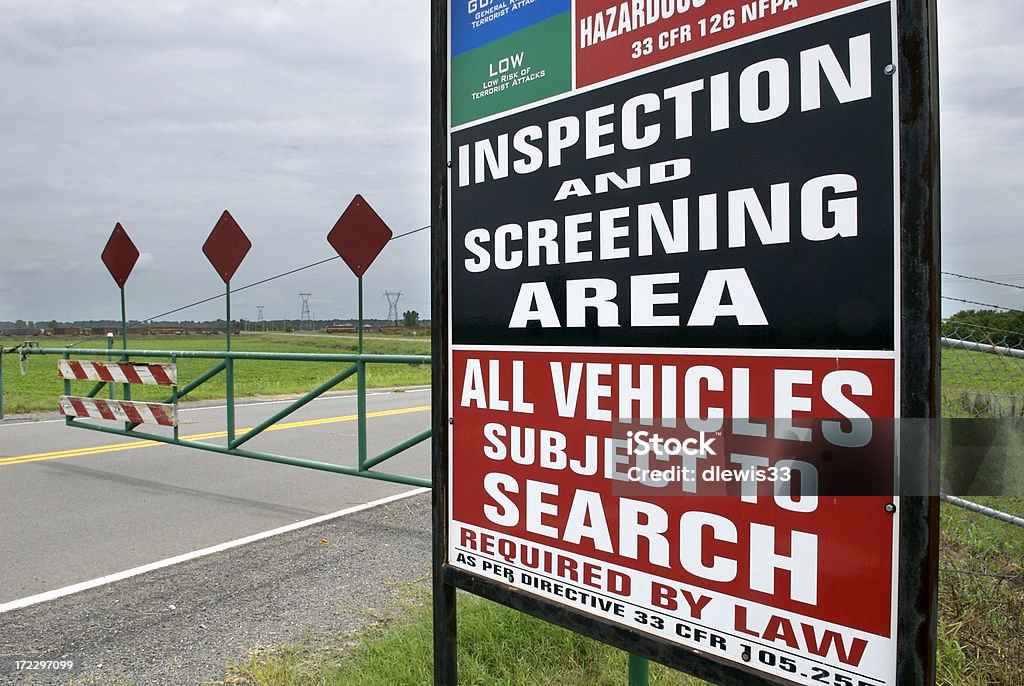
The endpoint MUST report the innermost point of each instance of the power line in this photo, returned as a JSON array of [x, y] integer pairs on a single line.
[[271, 278], [424, 228]]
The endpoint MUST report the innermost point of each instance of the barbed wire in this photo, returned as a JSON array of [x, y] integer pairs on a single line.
[[983, 280], [975, 302]]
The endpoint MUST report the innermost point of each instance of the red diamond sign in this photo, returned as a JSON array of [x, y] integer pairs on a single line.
[[226, 246], [120, 255], [359, 235]]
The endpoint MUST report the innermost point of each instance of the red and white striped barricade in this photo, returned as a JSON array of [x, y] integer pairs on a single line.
[[118, 372], [119, 410], [149, 374]]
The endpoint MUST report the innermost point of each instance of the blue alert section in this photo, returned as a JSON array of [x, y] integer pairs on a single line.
[[477, 22]]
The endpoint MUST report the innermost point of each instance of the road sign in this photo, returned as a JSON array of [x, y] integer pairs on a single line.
[[676, 334], [226, 246], [359, 235], [120, 255]]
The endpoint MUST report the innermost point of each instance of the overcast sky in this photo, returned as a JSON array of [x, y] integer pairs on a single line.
[[162, 114]]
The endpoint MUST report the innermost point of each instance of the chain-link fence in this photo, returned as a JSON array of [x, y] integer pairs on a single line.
[[982, 371]]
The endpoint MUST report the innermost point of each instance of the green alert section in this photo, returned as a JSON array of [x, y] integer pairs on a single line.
[[525, 67]]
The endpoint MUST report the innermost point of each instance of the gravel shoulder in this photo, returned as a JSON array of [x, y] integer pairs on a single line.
[[184, 624]]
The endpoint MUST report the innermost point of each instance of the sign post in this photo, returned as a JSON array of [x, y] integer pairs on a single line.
[[119, 256], [687, 295], [358, 237], [225, 248]]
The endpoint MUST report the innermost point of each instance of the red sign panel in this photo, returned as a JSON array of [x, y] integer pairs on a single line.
[[359, 235], [537, 466], [120, 255], [226, 246], [616, 38]]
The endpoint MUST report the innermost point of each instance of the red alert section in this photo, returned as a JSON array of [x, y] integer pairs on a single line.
[[539, 456], [615, 37]]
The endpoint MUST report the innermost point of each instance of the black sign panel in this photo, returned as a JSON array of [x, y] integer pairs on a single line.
[[741, 200]]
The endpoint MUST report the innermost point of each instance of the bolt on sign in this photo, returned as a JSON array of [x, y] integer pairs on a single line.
[[682, 321]]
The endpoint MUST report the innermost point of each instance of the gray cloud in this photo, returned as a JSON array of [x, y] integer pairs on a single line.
[[161, 115]]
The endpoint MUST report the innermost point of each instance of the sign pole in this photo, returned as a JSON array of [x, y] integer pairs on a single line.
[[360, 296], [444, 591], [918, 73], [127, 389], [124, 322], [119, 255], [639, 671], [110, 358], [229, 367], [226, 247], [361, 386], [358, 237]]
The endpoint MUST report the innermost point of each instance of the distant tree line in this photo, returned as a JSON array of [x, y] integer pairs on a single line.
[[1004, 328]]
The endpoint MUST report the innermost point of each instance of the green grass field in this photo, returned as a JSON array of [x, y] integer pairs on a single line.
[[965, 373], [37, 390]]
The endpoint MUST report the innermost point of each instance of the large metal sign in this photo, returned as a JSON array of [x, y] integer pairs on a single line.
[[678, 268]]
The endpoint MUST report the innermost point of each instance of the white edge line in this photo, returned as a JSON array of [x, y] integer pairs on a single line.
[[177, 559]]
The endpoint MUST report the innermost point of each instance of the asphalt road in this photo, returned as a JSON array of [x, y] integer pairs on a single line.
[[77, 505], [190, 623]]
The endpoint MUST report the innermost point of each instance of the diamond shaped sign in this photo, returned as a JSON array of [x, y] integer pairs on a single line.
[[120, 255], [226, 246], [359, 235]]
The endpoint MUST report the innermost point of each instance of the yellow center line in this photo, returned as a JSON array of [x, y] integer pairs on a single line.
[[133, 445]]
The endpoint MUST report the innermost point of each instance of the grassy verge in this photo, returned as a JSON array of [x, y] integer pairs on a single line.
[[981, 631], [37, 390], [981, 596], [497, 647]]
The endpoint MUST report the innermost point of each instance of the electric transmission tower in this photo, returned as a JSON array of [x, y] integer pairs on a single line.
[[304, 317], [260, 324], [393, 305]]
